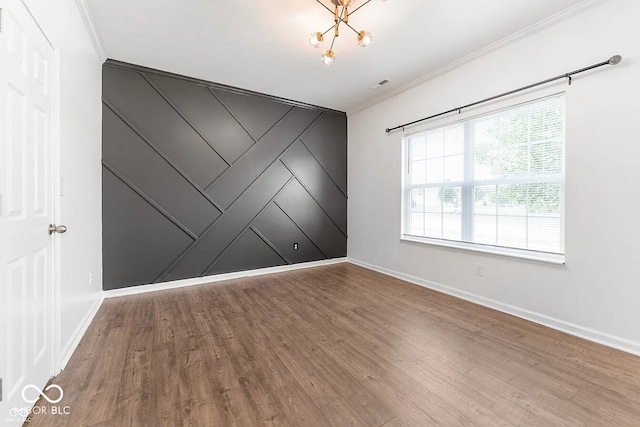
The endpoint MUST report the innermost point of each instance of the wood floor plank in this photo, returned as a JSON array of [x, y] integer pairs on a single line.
[[335, 346], [487, 384]]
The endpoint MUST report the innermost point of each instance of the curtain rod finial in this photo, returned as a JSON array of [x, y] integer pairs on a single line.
[[387, 130], [615, 60]]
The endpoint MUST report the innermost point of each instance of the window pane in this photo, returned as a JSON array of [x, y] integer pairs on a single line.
[[544, 198], [487, 165], [546, 158], [514, 128], [417, 224], [485, 200], [454, 140], [484, 229], [417, 148], [485, 214], [452, 219], [512, 210], [544, 233], [433, 202], [435, 144], [451, 198], [514, 161], [416, 216], [554, 161], [486, 134], [454, 168], [512, 231], [416, 172], [547, 120], [452, 226], [435, 171], [433, 225], [512, 199], [417, 200]]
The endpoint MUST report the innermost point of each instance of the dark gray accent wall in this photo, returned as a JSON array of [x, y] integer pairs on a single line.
[[202, 179]]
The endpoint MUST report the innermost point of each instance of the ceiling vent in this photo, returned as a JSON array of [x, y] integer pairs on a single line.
[[380, 83]]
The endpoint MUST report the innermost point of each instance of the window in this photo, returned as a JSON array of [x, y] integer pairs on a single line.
[[494, 181]]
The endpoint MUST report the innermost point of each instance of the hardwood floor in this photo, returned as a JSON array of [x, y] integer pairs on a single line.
[[337, 345]]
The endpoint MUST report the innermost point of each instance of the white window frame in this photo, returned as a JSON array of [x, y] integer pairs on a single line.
[[497, 107]]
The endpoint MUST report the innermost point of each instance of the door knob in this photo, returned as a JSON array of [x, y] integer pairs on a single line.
[[57, 228]]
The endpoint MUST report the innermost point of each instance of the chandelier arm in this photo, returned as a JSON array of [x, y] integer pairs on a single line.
[[325, 6], [357, 8], [330, 28], [332, 42], [354, 30]]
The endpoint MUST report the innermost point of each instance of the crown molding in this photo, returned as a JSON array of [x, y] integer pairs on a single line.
[[529, 31], [87, 18]]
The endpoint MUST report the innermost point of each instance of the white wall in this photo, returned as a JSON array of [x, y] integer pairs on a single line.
[[79, 127], [597, 293]]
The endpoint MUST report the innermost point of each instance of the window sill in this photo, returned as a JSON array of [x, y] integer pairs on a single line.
[[557, 259]]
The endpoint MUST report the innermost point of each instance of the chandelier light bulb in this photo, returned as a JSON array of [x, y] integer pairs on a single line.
[[364, 38], [316, 39], [328, 57]]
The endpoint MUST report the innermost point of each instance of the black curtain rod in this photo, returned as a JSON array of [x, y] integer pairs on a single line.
[[614, 60]]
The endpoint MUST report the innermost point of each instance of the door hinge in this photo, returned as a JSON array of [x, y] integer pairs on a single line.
[[0, 389], [0, 19]]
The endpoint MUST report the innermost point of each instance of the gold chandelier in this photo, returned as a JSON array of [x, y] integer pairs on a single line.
[[341, 15]]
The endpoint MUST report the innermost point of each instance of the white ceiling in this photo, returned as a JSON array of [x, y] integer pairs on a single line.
[[262, 45]]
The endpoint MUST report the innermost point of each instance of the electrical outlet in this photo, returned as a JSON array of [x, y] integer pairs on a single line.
[[295, 246], [91, 278], [479, 269]]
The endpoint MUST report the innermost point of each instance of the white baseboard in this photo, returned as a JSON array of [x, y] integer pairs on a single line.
[[560, 325], [134, 290], [72, 344]]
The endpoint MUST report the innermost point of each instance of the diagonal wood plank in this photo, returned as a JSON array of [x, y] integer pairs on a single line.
[[235, 180], [229, 225]]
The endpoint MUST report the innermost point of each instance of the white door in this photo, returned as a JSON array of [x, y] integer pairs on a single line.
[[26, 208]]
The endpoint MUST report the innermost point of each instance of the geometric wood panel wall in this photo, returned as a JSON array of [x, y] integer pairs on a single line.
[[199, 179]]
